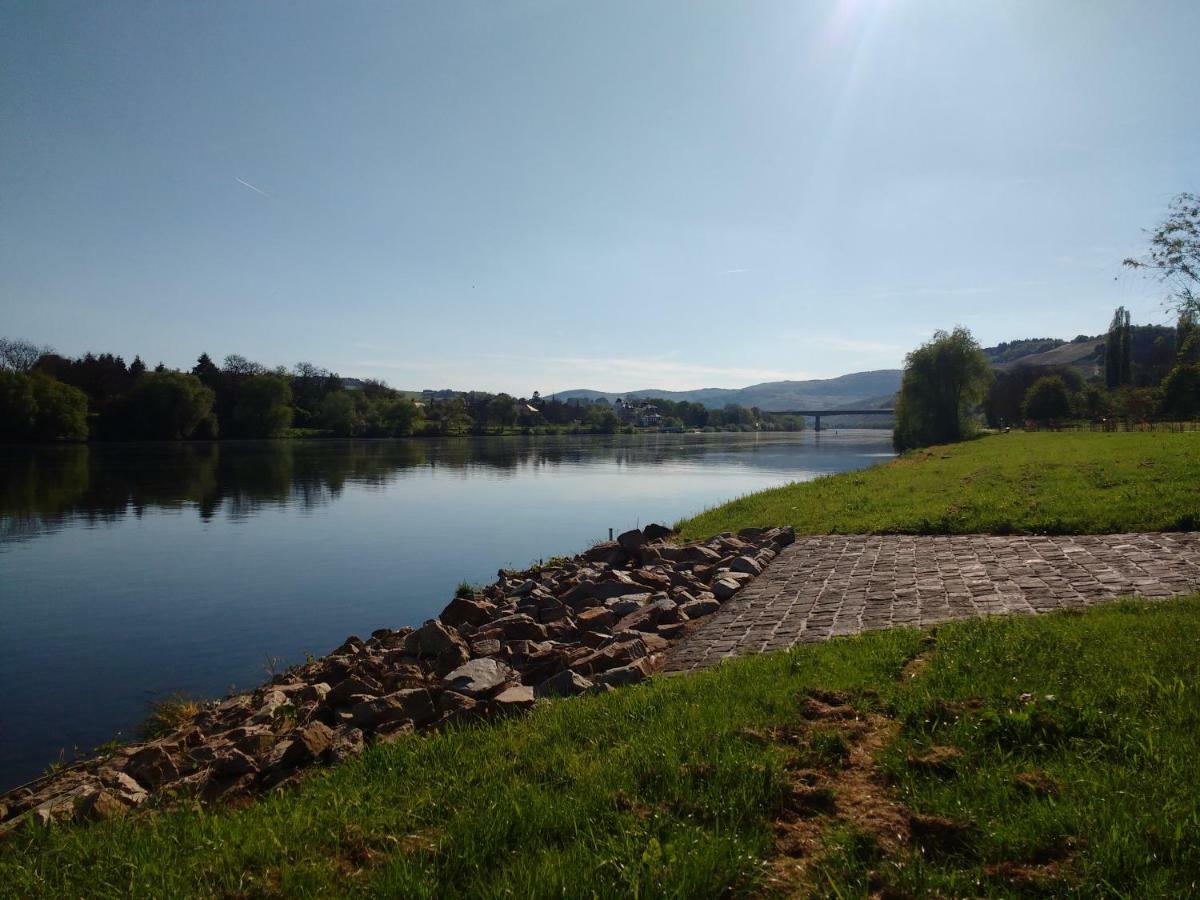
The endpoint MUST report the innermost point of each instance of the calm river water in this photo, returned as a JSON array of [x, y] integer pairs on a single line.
[[128, 572]]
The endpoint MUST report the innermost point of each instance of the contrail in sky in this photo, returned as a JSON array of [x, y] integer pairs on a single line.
[[252, 187]]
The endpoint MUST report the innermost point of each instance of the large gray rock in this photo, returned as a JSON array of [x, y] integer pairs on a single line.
[[126, 789], [595, 618], [618, 587], [605, 551], [413, 705], [99, 804], [464, 610], [694, 609], [431, 639], [782, 537], [479, 677], [354, 685], [347, 743], [451, 658], [234, 762], [649, 616], [747, 565], [518, 627], [308, 744], [631, 541], [623, 606], [565, 684], [631, 674], [516, 698], [694, 555], [152, 766], [728, 584], [619, 653]]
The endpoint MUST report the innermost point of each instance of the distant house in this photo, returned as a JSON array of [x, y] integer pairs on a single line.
[[638, 412]]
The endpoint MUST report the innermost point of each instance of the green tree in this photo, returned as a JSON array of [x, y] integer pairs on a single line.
[[1136, 404], [62, 411], [40, 408], [398, 417], [18, 408], [1181, 392], [206, 370], [264, 407], [1118, 350], [170, 406], [944, 380], [601, 418], [1047, 400], [1174, 255], [1187, 337], [1094, 402], [137, 367], [337, 413], [502, 410]]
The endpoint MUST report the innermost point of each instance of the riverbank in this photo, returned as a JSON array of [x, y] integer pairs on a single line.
[[1024, 754], [999, 756], [1032, 483], [238, 548], [586, 624]]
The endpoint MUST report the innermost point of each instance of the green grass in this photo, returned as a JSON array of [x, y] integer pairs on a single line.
[[1112, 723], [670, 788], [1055, 483]]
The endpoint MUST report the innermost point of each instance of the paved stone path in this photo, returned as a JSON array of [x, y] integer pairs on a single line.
[[824, 586]]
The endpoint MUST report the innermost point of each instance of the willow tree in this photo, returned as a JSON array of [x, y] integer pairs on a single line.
[[1174, 254], [944, 382]]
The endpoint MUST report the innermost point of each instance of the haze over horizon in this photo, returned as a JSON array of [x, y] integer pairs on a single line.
[[548, 195]]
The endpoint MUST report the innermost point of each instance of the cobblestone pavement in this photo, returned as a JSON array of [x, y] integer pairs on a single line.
[[824, 586]]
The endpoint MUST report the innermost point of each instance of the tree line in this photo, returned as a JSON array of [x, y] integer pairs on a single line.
[[45, 396], [949, 387]]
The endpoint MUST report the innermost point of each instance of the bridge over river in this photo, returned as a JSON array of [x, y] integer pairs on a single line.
[[817, 413]]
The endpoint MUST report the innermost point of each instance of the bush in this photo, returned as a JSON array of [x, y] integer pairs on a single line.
[[264, 407], [170, 406], [1047, 400], [1181, 392], [40, 408], [338, 414]]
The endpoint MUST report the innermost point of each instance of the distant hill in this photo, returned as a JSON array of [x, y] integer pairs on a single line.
[[844, 390], [1087, 356], [878, 388], [1084, 353]]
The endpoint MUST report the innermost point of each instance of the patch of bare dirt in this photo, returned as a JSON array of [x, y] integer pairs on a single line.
[[1038, 783], [359, 852], [914, 668], [941, 760], [855, 792]]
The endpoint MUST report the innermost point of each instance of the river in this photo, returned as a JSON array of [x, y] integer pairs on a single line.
[[129, 572]]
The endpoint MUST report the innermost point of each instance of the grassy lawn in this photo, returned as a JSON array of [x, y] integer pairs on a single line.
[[1056, 483], [689, 786]]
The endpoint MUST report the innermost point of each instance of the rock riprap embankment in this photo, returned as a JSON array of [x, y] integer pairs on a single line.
[[591, 623]]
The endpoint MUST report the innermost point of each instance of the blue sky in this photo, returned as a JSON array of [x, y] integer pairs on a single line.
[[543, 195]]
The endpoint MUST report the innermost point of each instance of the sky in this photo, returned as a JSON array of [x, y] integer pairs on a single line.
[[542, 195]]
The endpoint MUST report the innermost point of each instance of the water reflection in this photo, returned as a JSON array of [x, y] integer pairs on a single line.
[[44, 488], [131, 571]]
